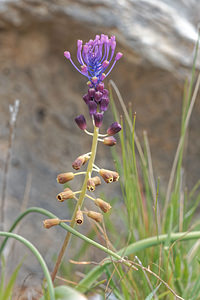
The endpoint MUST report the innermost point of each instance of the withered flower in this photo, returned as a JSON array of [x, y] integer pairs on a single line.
[[95, 216], [66, 194], [65, 177], [48, 223], [103, 205], [79, 162]]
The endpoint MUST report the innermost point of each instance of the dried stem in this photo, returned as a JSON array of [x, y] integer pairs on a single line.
[[79, 202], [13, 116]]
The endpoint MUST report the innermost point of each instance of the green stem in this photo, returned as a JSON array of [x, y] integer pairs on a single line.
[[79, 202], [96, 272], [37, 255]]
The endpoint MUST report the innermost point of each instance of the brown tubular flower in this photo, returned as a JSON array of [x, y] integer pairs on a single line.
[[95, 216], [65, 177], [115, 176], [106, 175], [79, 217], [79, 162], [66, 194], [103, 205], [48, 223], [96, 180], [92, 183]]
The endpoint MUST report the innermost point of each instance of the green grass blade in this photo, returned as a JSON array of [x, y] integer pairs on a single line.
[[2, 276], [9, 288], [150, 296]]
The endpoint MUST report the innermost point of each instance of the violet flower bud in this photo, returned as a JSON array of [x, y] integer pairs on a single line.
[[104, 103], [86, 98], [98, 119], [81, 122], [92, 107], [97, 96], [105, 92], [91, 92], [100, 87], [114, 128]]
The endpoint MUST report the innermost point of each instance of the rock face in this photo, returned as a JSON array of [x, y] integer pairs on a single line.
[[157, 39]]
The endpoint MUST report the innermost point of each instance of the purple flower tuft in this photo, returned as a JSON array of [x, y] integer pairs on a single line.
[[81, 122], [95, 57], [114, 128], [92, 107], [98, 119]]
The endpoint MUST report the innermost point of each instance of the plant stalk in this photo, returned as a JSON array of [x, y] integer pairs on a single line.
[[79, 202]]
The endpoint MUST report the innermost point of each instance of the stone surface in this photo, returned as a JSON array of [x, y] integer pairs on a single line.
[[157, 39]]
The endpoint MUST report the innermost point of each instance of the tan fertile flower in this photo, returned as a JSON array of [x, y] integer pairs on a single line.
[[103, 205], [95, 216], [66, 194], [48, 223], [65, 177]]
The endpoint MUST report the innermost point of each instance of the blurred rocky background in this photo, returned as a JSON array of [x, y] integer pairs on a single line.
[[157, 39]]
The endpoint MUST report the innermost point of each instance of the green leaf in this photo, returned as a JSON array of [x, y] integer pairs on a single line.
[[63, 292], [2, 275], [9, 288], [177, 270], [150, 296]]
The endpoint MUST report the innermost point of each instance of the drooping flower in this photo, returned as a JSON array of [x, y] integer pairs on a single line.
[[98, 119], [114, 128], [81, 122], [96, 58]]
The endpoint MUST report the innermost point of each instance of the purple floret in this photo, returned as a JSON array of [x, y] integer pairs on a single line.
[[114, 128], [81, 122]]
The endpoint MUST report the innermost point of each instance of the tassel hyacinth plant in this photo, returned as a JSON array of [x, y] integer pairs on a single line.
[[96, 59], [160, 230]]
